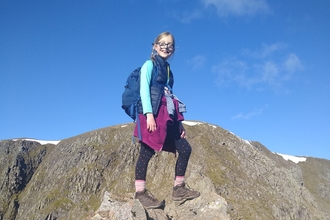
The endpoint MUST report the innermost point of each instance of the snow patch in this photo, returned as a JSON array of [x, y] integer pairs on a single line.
[[214, 126], [40, 141], [191, 123], [293, 158], [123, 126]]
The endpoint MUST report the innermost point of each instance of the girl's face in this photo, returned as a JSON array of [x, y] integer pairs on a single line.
[[165, 47]]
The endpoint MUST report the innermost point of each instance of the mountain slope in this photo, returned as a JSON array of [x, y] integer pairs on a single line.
[[68, 180]]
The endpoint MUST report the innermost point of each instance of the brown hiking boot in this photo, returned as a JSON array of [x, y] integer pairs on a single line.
[[148, 200], [180, 192]]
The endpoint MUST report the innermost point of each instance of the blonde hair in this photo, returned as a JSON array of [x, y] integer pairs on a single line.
[[157, 39]]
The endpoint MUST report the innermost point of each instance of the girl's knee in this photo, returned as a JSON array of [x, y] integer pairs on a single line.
[[183, 147]]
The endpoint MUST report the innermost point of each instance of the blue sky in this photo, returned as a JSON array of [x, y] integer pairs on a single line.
[[258, 68]]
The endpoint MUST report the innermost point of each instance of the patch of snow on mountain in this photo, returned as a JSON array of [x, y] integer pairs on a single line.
[[40, 141], [214, 126], [293, 158], [191, 123]]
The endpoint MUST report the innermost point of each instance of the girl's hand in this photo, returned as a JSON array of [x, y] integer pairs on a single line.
[[182, 131], [151, 124]]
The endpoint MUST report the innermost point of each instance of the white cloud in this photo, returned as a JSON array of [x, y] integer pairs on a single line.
[[197, 61], [263, 69], [249, 115], [234, 71], [188, 16], [292, 63], [238, 7], [269, 73], [266, 50], [224, 8]]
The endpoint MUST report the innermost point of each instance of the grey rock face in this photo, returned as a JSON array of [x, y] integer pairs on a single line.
[[208, 206], [18, 162], [91, 176]]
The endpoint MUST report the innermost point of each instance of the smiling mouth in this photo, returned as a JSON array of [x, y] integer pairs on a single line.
[[167, 51]]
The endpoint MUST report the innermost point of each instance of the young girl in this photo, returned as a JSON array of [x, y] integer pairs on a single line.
[[160, 123]]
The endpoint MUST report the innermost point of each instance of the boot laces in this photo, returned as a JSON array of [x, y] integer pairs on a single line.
[[186, 188], [149, 196]]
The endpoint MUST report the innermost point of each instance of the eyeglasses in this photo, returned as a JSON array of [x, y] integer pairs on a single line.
[[164, 45]]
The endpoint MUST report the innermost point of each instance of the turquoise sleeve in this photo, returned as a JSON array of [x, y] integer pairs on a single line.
[[145, 80]]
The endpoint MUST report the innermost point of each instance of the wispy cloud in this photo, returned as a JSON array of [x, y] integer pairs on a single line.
[[260, 69], [238, 7], [224, 8], [232, 70], [249, 115], [197, 61], [292, 63], [265, 50], [188, 16]]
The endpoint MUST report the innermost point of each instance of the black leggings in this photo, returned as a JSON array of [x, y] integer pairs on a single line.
[[182, 147]]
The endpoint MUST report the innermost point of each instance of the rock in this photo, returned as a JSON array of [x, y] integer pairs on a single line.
[[112, 209], [208, 206], [138, 211]]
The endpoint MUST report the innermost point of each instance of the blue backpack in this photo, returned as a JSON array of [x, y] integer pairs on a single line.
[[131, 95]]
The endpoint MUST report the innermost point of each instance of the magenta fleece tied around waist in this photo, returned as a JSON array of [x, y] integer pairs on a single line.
[[156, 139]]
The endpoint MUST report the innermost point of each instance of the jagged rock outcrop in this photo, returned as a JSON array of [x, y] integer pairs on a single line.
[[19, 160], [207, 206], [91, 176]]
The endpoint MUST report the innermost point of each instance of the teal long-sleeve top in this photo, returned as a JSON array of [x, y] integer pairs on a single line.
[[145, 80]]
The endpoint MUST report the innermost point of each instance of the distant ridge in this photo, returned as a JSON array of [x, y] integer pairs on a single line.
[[238, 179]]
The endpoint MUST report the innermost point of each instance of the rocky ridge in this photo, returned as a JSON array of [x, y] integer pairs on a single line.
[[91, 176]]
